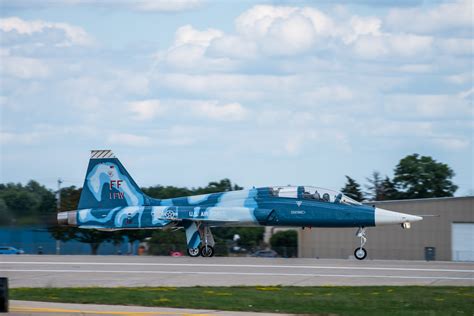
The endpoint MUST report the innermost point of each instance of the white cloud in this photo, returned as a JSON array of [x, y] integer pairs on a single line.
[[221, 112], [145, 110], [416, 68], [128, 139], [26, 138], [460, 78], [428, 106], [73, 35], [402, 45], [138, 5], [233, 47], [452, 143], [183, 135], [232, 86], [456, 46], [256, 21], [361, 26], [286, 31], [329, 93], [162, 5], [398, 129], [189, 51], [24, 68], [282, 30], [456, 14], [3, 100], [290, 36], [188, 35], [467, 94], [187, 109]]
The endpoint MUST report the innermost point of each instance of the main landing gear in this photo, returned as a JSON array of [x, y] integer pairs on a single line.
[[193, 252], [360, 253], [207, 243]]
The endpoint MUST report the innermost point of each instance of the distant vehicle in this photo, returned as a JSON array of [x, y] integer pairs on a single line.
[[11, 251], [265, 254]]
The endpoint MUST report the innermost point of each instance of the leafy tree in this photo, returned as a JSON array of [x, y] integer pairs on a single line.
[[32, 204], [69, 200], [375, 187], [163, 242], [250, 237], [94, 238], [381, 189], [285, 243], [352, 189], [133, 235], [389, 190], [224, 185], [423, 177], [166, 192], [5, 216]]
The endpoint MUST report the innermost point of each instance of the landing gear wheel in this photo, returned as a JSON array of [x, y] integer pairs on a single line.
[[360, 253], [193, 252], [207, 251]]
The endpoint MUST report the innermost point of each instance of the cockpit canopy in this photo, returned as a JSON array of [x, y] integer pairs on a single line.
[[312, 193]]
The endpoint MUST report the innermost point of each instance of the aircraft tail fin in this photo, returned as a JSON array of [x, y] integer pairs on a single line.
[[108, 184]]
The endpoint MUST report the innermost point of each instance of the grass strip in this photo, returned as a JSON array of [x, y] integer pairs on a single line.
[[341, 300]]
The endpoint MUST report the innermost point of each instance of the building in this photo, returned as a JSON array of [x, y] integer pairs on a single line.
[[448, 236], [37, 240]]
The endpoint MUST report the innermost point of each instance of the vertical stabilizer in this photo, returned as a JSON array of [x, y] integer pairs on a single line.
[[108, 184]]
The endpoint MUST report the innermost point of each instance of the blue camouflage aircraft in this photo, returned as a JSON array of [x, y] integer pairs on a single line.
[[111, 200]]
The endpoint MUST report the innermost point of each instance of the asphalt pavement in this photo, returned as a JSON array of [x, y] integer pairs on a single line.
[[110, 271]]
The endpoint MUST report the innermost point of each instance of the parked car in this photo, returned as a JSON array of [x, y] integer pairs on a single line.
[[10, 251], [265, 254]]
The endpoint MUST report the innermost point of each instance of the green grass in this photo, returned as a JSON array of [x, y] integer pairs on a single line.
[[342, 300]]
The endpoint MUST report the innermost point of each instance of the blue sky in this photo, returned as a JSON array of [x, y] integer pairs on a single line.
[[264, 93]]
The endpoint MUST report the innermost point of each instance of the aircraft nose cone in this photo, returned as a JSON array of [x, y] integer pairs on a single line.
[[385, 217]]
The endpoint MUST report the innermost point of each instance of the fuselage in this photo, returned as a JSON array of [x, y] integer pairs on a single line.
[[300, 206]]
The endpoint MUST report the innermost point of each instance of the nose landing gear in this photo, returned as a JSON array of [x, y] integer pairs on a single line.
[[360, 253]]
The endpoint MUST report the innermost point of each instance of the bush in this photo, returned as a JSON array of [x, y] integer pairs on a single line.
[[285, 243]]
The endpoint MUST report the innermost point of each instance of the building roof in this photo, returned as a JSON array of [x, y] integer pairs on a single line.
[[423, 200]]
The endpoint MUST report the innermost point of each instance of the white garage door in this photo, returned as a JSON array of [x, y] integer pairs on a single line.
[[463, 241]]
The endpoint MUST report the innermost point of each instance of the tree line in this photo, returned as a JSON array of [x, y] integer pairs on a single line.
[[35, 205], [415, 177]]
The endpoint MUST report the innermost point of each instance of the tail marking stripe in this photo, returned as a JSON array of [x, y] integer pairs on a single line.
[[102, 154]]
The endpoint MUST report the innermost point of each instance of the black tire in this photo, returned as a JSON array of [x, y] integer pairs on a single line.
[[207, 251], [360, 253], [193, 252]]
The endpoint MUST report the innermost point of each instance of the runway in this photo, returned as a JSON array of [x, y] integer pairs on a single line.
[[109, 271]]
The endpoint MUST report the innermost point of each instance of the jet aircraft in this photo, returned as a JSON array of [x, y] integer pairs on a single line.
[[111, 200]]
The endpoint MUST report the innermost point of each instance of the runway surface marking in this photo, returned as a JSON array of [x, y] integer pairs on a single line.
[[244, 273], [230, 266], [76, 311]]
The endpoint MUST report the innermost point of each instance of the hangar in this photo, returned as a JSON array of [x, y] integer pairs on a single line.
[[449, 236]]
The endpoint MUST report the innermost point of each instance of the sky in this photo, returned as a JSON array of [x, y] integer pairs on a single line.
[[264, 93]]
